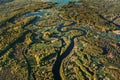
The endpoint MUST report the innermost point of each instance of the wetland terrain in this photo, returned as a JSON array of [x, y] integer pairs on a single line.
[[59, 40]]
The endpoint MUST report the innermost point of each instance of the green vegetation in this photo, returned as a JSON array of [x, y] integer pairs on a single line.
[[39, 41]]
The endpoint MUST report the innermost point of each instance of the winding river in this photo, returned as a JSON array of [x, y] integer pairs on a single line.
[[57, 65], [59, 59]]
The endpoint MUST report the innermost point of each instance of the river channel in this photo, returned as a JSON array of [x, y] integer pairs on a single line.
[[59, 59]]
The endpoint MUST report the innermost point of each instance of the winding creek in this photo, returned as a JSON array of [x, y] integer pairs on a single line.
[[59, 59], [41, 14], [57, 65]]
